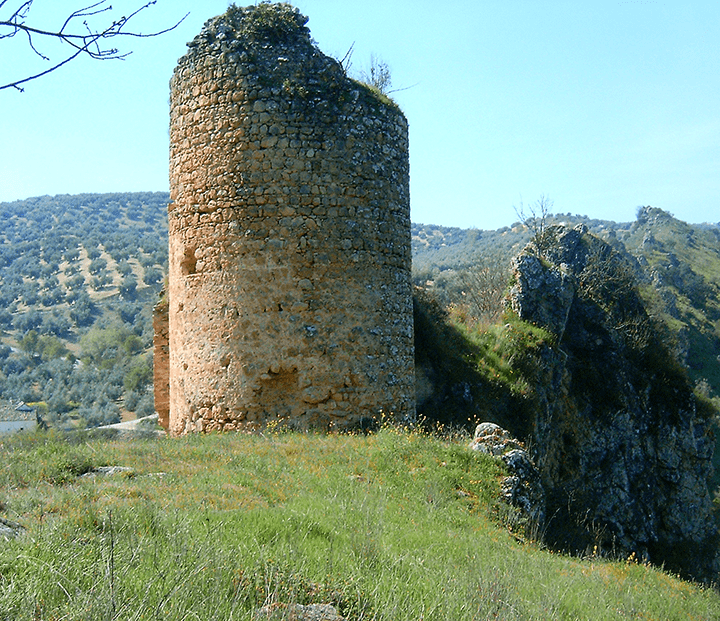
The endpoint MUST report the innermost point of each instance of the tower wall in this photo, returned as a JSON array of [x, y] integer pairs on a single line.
[[289, 264]]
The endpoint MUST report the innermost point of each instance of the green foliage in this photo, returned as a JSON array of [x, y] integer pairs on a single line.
[[128, 288], [478, 372], [139, 375], [120, 237], [97, 265], [47, 347], [29, 342], [395, 525], [105, 347], [502, 354], [42, 457], [268, 22], [510, 354], [51, 347]]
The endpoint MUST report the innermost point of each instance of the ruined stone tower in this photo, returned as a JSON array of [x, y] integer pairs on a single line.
[[289, 290]]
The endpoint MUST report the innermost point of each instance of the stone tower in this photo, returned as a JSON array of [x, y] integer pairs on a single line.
[[289, 292]]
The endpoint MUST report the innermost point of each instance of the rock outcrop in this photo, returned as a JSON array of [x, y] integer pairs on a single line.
[[623, 448], [522, 488]]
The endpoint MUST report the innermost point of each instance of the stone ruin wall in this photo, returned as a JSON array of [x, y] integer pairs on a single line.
[[161, 361], [289, 233]]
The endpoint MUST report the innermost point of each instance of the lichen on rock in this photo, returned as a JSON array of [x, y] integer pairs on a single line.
[[522, 487]]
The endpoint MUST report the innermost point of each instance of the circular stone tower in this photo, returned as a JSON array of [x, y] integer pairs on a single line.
[[289, 294]]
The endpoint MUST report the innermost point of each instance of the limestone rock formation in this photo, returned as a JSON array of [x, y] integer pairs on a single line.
[[522, 488], [623, 447], [289, 293]]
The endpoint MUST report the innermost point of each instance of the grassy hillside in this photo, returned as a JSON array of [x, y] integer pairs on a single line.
[[395, 525], [681, 268]]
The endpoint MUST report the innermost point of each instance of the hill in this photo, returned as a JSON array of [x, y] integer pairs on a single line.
[[78, 278], [677, 264], [393, 525]]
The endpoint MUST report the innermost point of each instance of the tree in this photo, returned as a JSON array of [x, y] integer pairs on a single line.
[[82, 310], [97, 265], [29, 342], [83, 32], [537, 221], [128, 287], [379, 75], [484, 285], [123, 267], [139, 375], [153, 276]]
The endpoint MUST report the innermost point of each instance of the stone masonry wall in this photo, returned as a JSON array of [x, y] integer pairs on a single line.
[[289, 278], [161, 358]]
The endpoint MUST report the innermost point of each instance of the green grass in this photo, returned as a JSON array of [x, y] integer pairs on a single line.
[[396, 525], [506, 354]]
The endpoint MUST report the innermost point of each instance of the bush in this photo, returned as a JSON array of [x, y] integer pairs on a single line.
[[139, 375], [96, 415], [146, 406]]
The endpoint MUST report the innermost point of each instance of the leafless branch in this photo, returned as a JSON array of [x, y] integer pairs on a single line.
[[537, 221], [76, 32], [346, 61], [484, 286], [404, 88]]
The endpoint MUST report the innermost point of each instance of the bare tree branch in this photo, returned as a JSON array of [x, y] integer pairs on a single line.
[[379, 75], [76, 33], [537, 221]]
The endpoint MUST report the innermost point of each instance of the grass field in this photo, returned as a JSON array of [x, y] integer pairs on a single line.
[[397, 525]]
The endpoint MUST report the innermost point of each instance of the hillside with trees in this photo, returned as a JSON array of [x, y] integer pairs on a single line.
[[79, 276], [677, 266]]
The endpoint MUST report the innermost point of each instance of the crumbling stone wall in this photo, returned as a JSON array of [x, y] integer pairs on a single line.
[[161, 358], [289, 274]]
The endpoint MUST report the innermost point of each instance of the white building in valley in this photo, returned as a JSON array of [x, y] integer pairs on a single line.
[[17, 417]]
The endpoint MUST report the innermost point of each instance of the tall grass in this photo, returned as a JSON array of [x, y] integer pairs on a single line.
[[396, 525]]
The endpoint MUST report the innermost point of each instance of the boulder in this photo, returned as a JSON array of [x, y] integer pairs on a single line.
[[9, 529], [522, 488]]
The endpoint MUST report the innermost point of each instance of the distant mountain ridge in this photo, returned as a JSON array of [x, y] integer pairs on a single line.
[[677, 264], [69, 261]]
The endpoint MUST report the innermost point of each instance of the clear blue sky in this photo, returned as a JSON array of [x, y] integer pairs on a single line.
[[602, 105]]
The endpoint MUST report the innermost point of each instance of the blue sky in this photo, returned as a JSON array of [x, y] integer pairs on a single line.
[[601, 105]]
